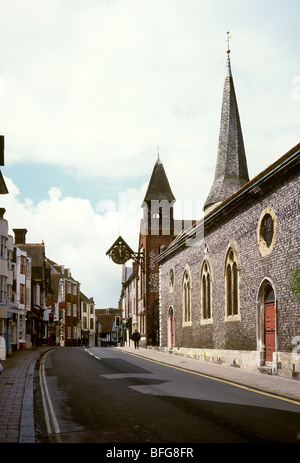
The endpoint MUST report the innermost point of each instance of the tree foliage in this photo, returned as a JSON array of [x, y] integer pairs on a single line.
[[295, 284]]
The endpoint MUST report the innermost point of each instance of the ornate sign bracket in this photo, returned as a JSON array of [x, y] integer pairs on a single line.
[[120, 252]]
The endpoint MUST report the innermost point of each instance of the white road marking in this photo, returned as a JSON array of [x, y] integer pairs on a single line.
[[47, 401]]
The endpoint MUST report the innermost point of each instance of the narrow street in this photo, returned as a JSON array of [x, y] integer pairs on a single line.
[[102, 395]]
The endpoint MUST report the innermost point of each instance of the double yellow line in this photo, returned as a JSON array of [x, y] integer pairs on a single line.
[[50, 418], [232, 383]]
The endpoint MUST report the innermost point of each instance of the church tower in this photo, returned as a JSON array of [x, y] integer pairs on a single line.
[[156, 234], [158, 203], [231, 170]]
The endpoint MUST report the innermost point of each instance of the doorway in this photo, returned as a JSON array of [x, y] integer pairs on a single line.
[[266, 329], [270, 323]]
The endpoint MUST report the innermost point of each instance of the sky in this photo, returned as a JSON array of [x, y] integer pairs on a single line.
[[92, 90]]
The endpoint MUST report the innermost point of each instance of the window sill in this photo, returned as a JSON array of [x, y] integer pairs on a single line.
[[233, 318]]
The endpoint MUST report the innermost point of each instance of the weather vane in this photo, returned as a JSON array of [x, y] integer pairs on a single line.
[[228, 38]]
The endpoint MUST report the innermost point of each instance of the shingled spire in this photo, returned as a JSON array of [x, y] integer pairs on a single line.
[[159, 187], [231, 170], [158, 202]]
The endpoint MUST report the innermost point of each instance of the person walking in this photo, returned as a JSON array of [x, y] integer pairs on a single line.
[[34, 340], [136, 337]]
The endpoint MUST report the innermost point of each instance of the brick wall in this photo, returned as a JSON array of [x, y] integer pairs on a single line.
[[150, 293], [240, 228]]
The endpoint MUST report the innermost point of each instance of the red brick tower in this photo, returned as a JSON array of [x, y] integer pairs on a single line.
[[156, 233]]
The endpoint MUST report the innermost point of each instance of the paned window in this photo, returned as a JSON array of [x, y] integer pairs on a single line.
[[74, 310], [23, 265], [232, 296], [84, 323], [69, 309], [186, 298], [206, 292], [2, 290], [3, 251], [22, 293]]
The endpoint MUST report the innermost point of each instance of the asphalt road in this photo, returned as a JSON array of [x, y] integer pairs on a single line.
[[101, 395]]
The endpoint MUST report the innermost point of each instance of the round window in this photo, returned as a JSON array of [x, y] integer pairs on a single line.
[[266, 231]]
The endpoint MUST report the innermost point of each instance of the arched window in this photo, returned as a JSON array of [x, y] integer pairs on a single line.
[[171, 279], [232, 285], [206, 292], [186, 298], [171, 328], [269, 294]]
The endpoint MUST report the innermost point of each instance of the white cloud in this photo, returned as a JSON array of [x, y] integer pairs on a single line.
[[77, 236], [96, 85], [74, 235]]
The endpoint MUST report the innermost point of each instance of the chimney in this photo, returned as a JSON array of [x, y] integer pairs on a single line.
[[20, 235]]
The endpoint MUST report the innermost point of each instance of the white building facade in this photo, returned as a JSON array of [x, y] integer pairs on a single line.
[[88, 320]]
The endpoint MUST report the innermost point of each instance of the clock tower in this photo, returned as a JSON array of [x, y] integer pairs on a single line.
[[156, 234]]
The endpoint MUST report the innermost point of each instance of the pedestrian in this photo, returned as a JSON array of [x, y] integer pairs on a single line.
[[34, 340], [136, 337]]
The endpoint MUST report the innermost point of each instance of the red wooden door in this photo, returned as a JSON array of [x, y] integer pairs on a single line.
[[270, 330]]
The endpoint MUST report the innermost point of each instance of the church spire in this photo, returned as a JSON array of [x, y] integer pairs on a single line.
[[159, 187], [158, 203], [231, 170]]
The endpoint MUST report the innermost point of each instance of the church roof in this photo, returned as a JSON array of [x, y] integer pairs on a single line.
[[159, 187], [231, 169], [279, 172]]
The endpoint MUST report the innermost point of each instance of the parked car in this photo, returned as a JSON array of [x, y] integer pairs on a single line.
[[1, 369]]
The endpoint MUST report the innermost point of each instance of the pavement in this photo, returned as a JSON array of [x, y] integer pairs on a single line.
[[286, 388], [16, 396], [16, 385]]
